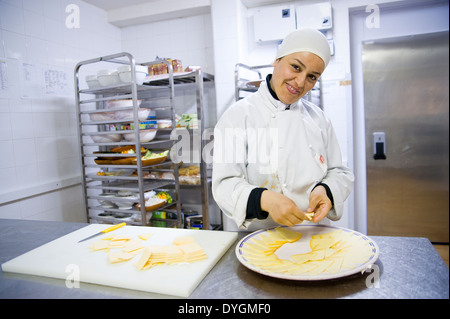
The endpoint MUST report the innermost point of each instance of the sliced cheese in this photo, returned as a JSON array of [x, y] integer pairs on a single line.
[[192, 252], [117, 243], [120, 238], [302, 258], [173, 254], [289, 235], [100, 245], [146, 236], [133, 246], [119, 256], [183, 240], [330, 252], [186, 251], [144, 259]]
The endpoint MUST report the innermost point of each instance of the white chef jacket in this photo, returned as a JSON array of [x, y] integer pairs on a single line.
[[258, 143]]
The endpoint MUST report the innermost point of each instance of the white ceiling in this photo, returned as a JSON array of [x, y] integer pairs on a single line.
[[132, 12], [117, 4]]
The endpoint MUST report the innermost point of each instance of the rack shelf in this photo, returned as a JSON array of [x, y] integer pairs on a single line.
[[93, 101]]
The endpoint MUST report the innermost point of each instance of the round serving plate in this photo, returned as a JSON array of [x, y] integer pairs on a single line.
[[303, 246]]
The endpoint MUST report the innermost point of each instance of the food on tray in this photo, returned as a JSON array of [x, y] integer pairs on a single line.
[[114, 173], [188, 121], [151, 155], [152, 158], [189, 170], [104, 159], [187, 175], [165, 196], [330, 252], [153, 201], [161, 68], [127, 148], [156, 201]]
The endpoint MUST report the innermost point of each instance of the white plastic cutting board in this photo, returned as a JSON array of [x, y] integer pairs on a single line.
[[64, 258]]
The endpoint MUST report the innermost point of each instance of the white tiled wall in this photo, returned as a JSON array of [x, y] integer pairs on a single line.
[[187, 39], [228, 29], [38, 135], [39, 166]]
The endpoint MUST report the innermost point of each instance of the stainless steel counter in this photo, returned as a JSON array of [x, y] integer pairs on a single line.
[[408, 268]]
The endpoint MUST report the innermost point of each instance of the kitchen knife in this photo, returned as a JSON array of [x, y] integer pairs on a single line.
[[104, 231]]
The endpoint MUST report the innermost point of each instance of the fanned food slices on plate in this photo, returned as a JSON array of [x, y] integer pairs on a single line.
[[307, 252]]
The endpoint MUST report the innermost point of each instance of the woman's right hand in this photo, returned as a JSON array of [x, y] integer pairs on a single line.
[[282, 209]]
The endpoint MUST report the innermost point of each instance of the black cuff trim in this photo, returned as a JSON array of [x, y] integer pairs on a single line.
[[328, 190], [254, 205]]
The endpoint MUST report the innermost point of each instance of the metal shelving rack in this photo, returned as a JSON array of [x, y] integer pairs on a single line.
[[137, 184], [243, 84], [195, 80], [94, 101]]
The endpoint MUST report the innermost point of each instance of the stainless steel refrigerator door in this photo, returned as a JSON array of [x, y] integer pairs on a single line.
[[406, 85]]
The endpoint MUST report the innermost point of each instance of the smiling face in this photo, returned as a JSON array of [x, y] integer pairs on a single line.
[[295, 74]]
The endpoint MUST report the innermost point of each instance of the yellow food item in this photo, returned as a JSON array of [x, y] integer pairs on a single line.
[[173, 255], [100, 245], [144, 262], [119, 256], [330, 252], [162, 196], [145, 236], [183, 240], [192, 252], [170, 254], [118, 241], [189, 171], [183, 249], [133, 247], [288, 235]]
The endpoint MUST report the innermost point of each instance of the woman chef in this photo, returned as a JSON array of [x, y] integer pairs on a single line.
[[276, 156]]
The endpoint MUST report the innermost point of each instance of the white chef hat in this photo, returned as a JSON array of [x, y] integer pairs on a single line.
[[305, 40]]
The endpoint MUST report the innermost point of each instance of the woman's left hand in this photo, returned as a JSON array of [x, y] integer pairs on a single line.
[[319, 203]]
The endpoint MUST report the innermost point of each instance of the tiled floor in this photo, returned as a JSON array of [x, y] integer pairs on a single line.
[[443, 251]]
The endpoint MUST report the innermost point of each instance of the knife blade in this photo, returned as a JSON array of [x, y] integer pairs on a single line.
[[104, 231]]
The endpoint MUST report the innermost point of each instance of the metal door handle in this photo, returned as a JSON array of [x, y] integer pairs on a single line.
[[379, 145]]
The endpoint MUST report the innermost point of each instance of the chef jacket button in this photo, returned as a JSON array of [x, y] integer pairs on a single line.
[[310, 146], [284, 185], [274, 116]]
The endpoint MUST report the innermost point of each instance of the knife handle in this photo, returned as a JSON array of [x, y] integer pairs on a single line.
[[107, 230]]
